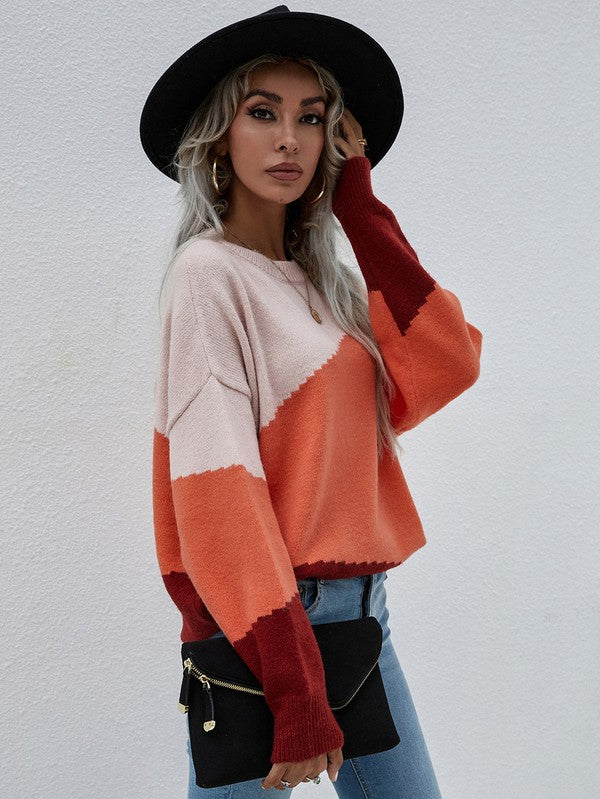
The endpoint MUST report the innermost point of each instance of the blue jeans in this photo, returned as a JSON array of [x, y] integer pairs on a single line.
[[403, 772]]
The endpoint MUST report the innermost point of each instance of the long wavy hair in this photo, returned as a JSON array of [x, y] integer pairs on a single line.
[[311, 229]]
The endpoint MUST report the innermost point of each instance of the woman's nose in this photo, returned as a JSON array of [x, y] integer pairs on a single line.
[[286, 140]]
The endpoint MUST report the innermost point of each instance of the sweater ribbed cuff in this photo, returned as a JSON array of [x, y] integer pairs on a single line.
[[354, 189], [304, 727]]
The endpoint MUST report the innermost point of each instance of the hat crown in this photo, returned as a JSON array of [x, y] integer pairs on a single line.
[[276, 10]]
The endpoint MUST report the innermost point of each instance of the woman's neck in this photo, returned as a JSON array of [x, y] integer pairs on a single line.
[[260, 228]]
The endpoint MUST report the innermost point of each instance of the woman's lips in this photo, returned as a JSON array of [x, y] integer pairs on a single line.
[[284, 174]]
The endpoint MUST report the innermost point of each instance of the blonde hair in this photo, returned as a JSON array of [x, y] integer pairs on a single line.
[[310, 229]]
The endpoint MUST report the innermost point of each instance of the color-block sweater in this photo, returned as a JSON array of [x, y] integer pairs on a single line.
[[265, 465]]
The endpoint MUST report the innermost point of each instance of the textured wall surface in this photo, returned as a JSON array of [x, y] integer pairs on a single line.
[[494, 179]]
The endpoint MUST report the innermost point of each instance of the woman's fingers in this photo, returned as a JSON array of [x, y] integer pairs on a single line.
[[294, 773], [335, 758], [351, 123], [351, 132]]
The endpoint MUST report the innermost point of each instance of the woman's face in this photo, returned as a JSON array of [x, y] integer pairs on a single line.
[[283, 121]]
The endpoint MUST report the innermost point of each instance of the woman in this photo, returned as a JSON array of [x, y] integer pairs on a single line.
[[285, 376]]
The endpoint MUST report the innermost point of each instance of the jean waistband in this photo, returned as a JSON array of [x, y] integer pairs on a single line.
[[366, 592]]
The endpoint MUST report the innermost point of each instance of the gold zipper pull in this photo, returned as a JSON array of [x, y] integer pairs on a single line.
[[191, 670], [210, 722], [184, 693]]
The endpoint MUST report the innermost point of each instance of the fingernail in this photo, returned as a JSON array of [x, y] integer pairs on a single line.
[[335, 776]]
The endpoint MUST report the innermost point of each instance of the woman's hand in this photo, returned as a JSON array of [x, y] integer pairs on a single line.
[[351, 132], [304, 770]]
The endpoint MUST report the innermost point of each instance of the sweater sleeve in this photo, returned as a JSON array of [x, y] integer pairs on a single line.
[[431, 352], [229, 540]]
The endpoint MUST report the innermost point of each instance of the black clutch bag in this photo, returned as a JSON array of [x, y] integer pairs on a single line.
[[231, 726]]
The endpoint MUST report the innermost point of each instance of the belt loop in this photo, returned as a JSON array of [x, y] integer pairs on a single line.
[[366, 595]]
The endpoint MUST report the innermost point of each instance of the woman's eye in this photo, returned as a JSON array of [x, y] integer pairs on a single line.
[[317, 117], [257, 113], [254, 111]]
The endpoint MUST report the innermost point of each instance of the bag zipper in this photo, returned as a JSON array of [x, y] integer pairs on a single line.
[[210, 722], [205, 679]]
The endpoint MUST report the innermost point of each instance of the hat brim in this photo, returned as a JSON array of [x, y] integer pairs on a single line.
[[370, 82]]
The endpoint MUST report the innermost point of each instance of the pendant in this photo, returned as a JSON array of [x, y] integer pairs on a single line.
[[315, 315]]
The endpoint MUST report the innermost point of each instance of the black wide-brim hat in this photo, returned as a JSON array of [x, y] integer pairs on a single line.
[[369, 80]]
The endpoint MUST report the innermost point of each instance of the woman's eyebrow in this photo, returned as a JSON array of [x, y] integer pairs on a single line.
[[276, 98]]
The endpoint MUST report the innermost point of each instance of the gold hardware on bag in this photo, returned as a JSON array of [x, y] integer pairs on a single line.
[[205, 678], [206, 681]]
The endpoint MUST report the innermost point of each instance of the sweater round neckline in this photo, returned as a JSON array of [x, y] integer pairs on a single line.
[[292, 271]]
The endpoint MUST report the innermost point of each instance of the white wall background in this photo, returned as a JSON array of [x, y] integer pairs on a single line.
[[494, 179]]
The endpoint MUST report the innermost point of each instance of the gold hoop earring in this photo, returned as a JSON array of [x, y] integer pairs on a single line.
[[321, 193], [214, 177]]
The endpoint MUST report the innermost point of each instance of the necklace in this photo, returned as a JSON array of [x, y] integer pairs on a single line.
[[313, 311]]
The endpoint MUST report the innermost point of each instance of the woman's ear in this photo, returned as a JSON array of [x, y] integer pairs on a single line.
[[220, 148]]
